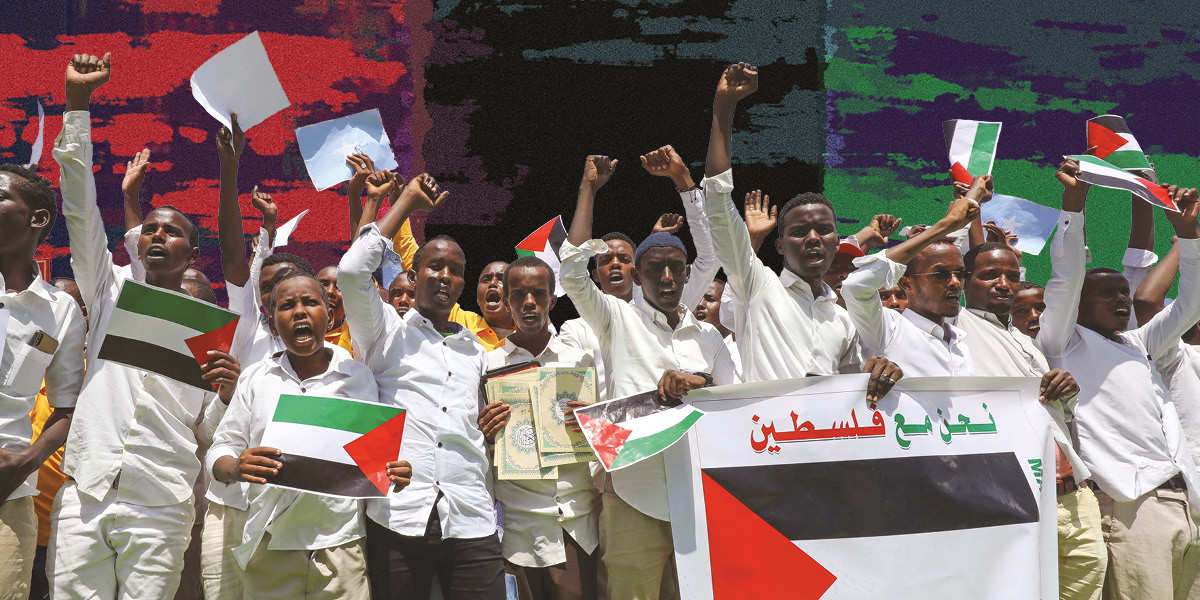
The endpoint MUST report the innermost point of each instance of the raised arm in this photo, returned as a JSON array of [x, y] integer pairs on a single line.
[[1151, 295], [363, 167], [876, 234], [90, 259], [234, 264], [1139, 253], [760, 218], [592, 304], [960, 213], [597, 170], [1165, 328], [131, 187], [1067, 265], [665, 162], [737, 82]]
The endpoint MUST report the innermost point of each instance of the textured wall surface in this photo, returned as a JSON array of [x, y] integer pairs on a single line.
[[502, 100]]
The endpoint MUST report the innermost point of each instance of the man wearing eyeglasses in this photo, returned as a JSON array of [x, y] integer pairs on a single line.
[[923, 339]]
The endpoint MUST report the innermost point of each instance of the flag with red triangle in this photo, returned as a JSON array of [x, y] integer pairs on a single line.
[[334, 446], [544, 244], [971, 146], [1100, 172], [1115, 144]]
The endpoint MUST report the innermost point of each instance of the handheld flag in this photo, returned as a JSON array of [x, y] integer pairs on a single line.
[[629, 430], [334, 446], [1116, 145], [972, 147], [544, 244], [1099, 172], [165, 332], [1032, 222]]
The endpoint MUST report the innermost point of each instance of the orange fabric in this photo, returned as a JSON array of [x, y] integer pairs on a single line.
[[340, 337], [50, 475]]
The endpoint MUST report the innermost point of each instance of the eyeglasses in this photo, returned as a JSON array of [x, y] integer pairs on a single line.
[[943, 276]]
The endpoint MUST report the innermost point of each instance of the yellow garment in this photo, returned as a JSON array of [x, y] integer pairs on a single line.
[[50, 475], [340, 337], [404, 244]]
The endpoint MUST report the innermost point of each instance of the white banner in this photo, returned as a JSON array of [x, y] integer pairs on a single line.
[[797, 489]]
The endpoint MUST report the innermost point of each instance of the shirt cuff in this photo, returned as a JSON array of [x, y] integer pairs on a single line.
[[721, 183], [587, 250], [1066, 218], [211, 457], [1139, 258], [882, 268]]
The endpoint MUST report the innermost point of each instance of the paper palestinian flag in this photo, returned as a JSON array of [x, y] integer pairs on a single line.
[[1099, 172], [166, 332], [629, 430], [972, 147], [544, 244], [1116, 145], [334, 446]]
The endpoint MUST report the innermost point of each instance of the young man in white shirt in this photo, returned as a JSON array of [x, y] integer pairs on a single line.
[[791, 324], [923, 339], [550, 528], [1128, 428], [122, 521], [999, 350], [294, 544], [444, 520], [653, 342], [43, 340]]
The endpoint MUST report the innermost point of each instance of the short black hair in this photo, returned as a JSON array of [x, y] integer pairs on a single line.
[[916, 260], [801, 200], [973, 253], [608, 237], [421, 251], [1029, 285], [36, 192], [204, 291], [530, 261], [293, 275], [284, 257], [194, 234]]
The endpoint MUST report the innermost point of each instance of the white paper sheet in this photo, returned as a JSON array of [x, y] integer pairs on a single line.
[[283, 232], [1032, 222], [35, 153], [239, 79], [326, 145]]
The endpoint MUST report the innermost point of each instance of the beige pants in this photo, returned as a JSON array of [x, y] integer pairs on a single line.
[[636, 551], [338, 572], [1153, 546], [18, 543], [1082, 556], [219, 574]]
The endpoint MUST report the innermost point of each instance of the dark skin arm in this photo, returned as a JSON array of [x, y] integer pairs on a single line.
[[363, 167], [960, 213], [16, 466], [422, 193], [760, 220], [234, 263], [131, 187], [1151, 295], [493, 416], [255, 465], [674, 385], [1057, 385], [597, 170], [884, 375], [737, 81]]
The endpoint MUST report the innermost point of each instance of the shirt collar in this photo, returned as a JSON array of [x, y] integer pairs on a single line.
[[414, 318], [991, 318], [656, 316], [339, 363], [792, 280], [934, 329], [38, 287]]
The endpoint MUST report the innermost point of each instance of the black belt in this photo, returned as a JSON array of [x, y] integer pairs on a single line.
[[1067, 484], [1174, 483]]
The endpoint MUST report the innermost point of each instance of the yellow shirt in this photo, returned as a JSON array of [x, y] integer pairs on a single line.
[[340, 337], [50, 475], [404, 244]]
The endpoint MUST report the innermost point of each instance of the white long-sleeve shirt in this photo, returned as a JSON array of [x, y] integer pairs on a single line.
[[436, 379], [1129, 433], [43, 340], [128, 422], [648, 347], [1001, 350], [786, 331], [296, 520], [537, 512], [910, 340]]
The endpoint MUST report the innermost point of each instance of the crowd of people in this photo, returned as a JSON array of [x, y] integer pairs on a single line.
[[162, 491]]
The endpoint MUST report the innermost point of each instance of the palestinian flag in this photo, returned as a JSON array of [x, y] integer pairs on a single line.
[[1100, 172], [1116, 145], [972, 147], [166, 332], [629, 430], [334, 446], [544, 244]]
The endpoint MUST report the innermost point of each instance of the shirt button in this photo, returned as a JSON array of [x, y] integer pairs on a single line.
[[443, 409], [436, 482], [449, 374], [439, 444], [302, 390]]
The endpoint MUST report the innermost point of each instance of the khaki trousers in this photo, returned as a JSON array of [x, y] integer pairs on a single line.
[[18, 544], [1082, 556], [220, 576], [328, 573], [636, 550], [1153, 546]]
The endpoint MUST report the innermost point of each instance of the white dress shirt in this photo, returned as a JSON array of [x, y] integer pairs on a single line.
[[129, 422], [296, 520], [36, 315], [1001, 350], [787, 331], [910, 340], [536, 512], [1129, 433], [648, 348], [436, 379], [253, 340]]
